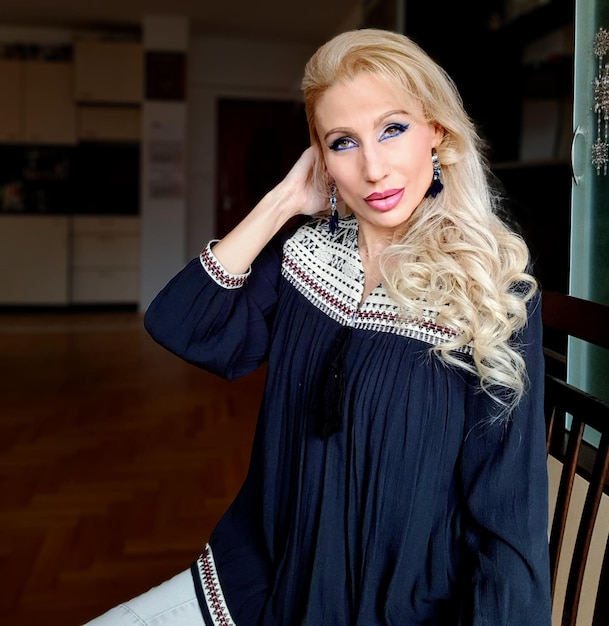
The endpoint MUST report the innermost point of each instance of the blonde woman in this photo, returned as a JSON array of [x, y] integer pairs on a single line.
[[398, 472]]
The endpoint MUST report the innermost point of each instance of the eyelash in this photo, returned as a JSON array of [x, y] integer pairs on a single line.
[[396, 125], [336, 144]]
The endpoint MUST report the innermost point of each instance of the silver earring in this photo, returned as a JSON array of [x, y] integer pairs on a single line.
[[333, 223], [436, 184]]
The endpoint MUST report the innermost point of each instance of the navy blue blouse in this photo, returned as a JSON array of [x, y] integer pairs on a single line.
[[419, 510]]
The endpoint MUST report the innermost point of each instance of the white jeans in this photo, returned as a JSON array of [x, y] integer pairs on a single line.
[[174, 603]]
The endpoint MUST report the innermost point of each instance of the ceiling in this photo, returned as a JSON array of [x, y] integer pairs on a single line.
[[313, 21]]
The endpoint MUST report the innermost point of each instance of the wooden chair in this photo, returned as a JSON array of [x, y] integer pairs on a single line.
[[581, 463]]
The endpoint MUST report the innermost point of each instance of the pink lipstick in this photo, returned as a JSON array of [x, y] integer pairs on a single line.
[[385, 200]]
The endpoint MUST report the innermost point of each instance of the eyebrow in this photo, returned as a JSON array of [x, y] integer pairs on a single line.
[[379, 120]]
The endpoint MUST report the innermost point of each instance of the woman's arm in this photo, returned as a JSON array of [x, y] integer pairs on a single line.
[[294, 195], [505, 487], [217, 314]]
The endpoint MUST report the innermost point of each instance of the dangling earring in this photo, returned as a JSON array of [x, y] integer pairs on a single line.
[[436, 184], [333, 223]]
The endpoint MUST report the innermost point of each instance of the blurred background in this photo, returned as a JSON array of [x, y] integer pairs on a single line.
[[131, 133]]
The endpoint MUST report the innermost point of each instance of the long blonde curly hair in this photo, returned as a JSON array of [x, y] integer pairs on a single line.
[[457, 255]]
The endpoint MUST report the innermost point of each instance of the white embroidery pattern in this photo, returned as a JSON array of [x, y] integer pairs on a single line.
[[218, 273], [327, 270], [214, 597]]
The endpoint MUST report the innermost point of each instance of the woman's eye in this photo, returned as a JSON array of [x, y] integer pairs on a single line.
[[344, 143], [393, 130]]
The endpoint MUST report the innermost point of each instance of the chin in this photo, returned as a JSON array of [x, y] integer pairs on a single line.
[[393, 218]]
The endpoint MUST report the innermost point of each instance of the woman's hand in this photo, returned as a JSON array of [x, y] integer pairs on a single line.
[[301, 176], [294, 195]]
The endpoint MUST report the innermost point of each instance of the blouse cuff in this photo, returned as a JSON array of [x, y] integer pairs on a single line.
[[218, 274]]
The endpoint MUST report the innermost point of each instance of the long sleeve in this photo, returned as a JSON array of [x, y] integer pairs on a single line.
[[504, 474], [215, 320]]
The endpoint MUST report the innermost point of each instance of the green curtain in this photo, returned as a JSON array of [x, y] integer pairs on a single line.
[[588, 366]]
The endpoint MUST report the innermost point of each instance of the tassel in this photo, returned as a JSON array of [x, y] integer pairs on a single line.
[[333, 223], [435, 188], [330, 411]]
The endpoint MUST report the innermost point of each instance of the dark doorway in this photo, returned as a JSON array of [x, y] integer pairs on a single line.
[[258, 142]]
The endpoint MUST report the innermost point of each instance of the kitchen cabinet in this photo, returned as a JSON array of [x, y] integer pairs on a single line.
[[63, 260], [109, 123], [36, 102], [108, 71], [105, 259], [34, 256], [11, 79], [49, 110]]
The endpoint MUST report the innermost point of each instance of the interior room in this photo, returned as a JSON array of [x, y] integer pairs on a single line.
[[131, 134]]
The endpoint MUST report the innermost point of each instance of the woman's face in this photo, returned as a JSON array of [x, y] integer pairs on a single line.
[[377, 147]]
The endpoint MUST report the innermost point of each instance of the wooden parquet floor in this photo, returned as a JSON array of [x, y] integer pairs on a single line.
[[116, 460]]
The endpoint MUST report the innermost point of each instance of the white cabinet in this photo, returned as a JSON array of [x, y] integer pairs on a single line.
[[36, 102], [49, 109], [108, 71], [109, 123], [105, 259], [34, 260], [11, 96], [62, 260]]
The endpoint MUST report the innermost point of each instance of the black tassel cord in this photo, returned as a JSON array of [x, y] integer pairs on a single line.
[[332, 394]]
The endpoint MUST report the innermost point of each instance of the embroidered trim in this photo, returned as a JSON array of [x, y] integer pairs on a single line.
[[218, 273], [326, 268], [214, 598]]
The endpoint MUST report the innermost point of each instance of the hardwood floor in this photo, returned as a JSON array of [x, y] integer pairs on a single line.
[[116, 460]]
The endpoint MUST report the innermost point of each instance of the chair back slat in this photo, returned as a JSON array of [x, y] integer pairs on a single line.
[[584, 535], [563, 499], [586, 410], [575, 317], [564, 317]]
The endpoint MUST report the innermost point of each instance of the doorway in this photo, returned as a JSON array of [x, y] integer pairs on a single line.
[[258, 141]]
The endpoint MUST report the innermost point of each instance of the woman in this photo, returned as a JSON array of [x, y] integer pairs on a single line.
[[398, 471]]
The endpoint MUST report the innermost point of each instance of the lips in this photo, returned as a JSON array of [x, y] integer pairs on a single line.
[[385, 200]]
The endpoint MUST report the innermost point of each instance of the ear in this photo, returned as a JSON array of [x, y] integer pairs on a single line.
[[438, 133]]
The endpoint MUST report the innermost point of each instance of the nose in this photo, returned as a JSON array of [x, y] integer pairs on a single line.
[[374, 165]]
